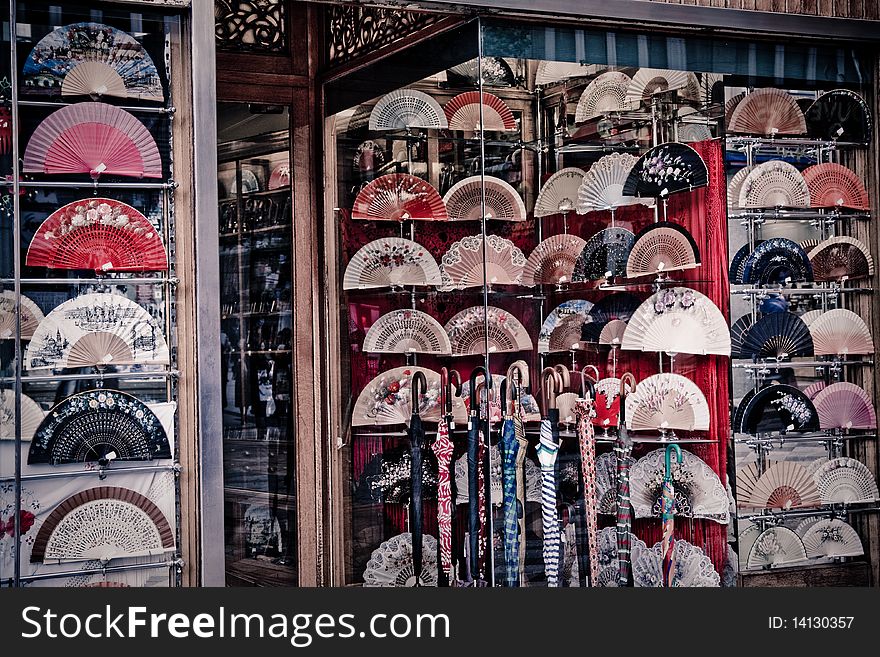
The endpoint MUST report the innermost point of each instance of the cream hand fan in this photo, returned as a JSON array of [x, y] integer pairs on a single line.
[[561, 331], [734, 187], [729, 106], [461, 477], [774, 184], [466, 112], [830, 537], [841, 258], [552, 262], [31, 315], [560, 193], [96, 330], [747, 478], [407, 108], [468, 332], [661, 247], [680, 321], [391, 564], [387, 399], [845, 481], [802, 527], [391, 262], [783, 485], [605, 94], [810, 316], [648, 82], [407, 332], [479, 196], [667, 402], [841, 332], [32, 415], [612, 333], [608, 563], [689, 131], [463, 265], [551, 72], [845, 405], [833, 185], [768, 111], [602, 185], [711, 88], [775, 547]]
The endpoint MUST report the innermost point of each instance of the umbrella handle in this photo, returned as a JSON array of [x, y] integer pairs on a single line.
[[565, 377], [588, 383], [444, 390], [626, 378], [670, 449], [416, 379], [487, 381], [550, 387], [522, 368]]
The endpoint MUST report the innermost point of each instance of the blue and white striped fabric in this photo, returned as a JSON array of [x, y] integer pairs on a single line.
[[509, 450], [548, 450]]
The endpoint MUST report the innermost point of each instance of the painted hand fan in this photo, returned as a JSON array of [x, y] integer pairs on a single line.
[[604, 255], [690, 131], [399, 197], [100, 234], [606, 483], [667, 401], [32, 415], [845, 481], [463, 265], [845, 405], [814, 388], [738, 332], [602, 185], [391, 564], [391, 262], [461, 477], [777, 335], [698, 490], [464, 112], [666, 169], [620, 305], [777, 260], [604, 95], [774, 184], [840, 115], [830, 537], [407, 108], [607, 404], [92, 59], [678, 320], [387, 477], [31, 316], [738, 263], [387, 399], [767, 111], [93, 138], [280, 177], [734, 187], [775, 547], [369, 156], [560, 193], [607, 544], [662, 247], [561, 330], [840, 332], [549, 72], [475, 196], [493, 71], [783, 485], [95, 330], [690, 567], [612, 332], [841, 258], [648, 82], [552, 262], [778, 408], [468, 333], [833, 185], [407, 332]]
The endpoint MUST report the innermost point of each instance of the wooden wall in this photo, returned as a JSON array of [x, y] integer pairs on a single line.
[[869, 9]]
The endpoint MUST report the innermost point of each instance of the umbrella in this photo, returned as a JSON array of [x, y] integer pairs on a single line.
[[553, 382], [622, 450], [520, 434], [416, 440], [443, 448], [476, 491], [587, 441], [487, 528], [510, 453], [668, 506]]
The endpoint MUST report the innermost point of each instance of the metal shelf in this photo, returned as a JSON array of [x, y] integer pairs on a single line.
[[776, 365], [796, 437], [127, 108], [101, 473], [745, 141], [51, 378], [170, 184], [174, 563], [832, 510], [93, 281], [762, 215], [834, 290]]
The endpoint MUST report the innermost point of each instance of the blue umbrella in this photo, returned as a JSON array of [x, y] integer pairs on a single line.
[[623, 451], [510, 463]]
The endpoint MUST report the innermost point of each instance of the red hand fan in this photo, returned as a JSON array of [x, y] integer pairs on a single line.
[[399, 197], [464, 113]]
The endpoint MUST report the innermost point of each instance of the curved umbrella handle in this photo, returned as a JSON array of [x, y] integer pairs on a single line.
[[670, 449], [551, 385], [487, 382], [587, 384], [564, 377], [445, 401], [417, 378], [522, 367], [624, 380]]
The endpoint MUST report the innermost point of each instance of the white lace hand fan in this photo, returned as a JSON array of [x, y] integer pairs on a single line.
[[468, 333], [667, 402], [32, 415], [407, 332], [560, 193], [552, 262], [602, 185], [606, 482], [463, 265], [561, 331], [608, 565], [387, 399], [391, 262], [407, 108], [391, 564], [605, 94], [691, 568], [841, 332], [845, 481], [469, 198], [31, 316]]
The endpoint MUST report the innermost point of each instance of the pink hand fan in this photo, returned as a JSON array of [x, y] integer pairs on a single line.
[[399, 197], [280, 176], [845, 405]]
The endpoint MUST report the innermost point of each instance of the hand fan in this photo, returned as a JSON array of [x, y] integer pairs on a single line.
[[767, 111], [97, 424], [93, 138], [493, 71], [778, 408], [604, 255], [845, 405], [841, 332], [549, 72], [461, 477], [605, 94], [810, 316], [354, 120], [783, 485], [814, 388], [100, 234], [841, 258], [775, 547], [407, 108], [678, 320], [698, 490], [711, 88], [777, 260], [777, 335], [691, 567], [391, 564], [280, 177], [387, 399], [368, 157], [840, 115], [648, 82], [476, 196], [552, 262], [92, 59], [95, 330], [620, 305], [689, 131], [734, 187], [561, 331], [100, 524], [667, 401], [730, 105], [399, 197], [606, 483], [830, 537], [608, 565], [387, 478], [833, 185], [464, 112], [407, 332], [747, 477], [740, 412], [32, 415], [471, 263], [249, 182], [738, 263], [560, 193], [31, 316], [738, 332], [612, 332], [602, 185], [661, 247], [391, 262], [472, 329], [845, 481], [774, 184], [607, 404], [666, 169]]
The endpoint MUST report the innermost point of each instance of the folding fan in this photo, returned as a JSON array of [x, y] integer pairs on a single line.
[[407, 108], [552, 262], [783, 485], [469, 334], [605, 94], [100, 234], [280, 177], [493, 71], [840, 115], [476, 197], [591, 331], [747, 477], [734, 187], [31, 415], [96, 330], [391, 262], [690, 567], [767, 111], [738, 263], [845, 481], [777, 335], [690, 131], [387, 399], [650, 81], [831, 537], [667, 402], [738, 331], [608, 564], [777, 260], [775, 547], [606, 482], [607, 404], [461, 477], [833, 185], [845, 405], [711, 88], [399, 197], [407, 332], [93, 138], [549, 72], [602, 185], [774, 184], [369, 156], [620, 305], [666, 169], [678, 320], [729, 106], [31, 316], [814, 389], [612, 332], [839, 258], [604, 255], [561, 331], [91, 59], [560, 193], [777, 408], [465, 112], [466, 265], [841, 332], [661, 247]]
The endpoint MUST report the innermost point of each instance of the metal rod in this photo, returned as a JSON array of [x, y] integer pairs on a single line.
[[774, 365], [93, 281], [160, 374], [769, 514], [16, 272], [174, 563], [825, 291], [127, 108], [101, 472], [170, 184]]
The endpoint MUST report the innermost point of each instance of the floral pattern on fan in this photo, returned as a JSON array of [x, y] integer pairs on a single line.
[[691, 567], [31, 315], [391, 564], [399, 197], [391, 262], [387, 399], [667, 169], [30, 508]]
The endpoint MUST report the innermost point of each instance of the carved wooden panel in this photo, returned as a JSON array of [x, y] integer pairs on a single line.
[[832, 8], [253, 26]]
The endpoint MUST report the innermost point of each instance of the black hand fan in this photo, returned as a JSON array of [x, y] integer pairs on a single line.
[[387, 478], [737, 425], [666, 169], [590, 332], [620, 305], [604, 255], [737, 334], [777, 260], [840, 115], [777, 335], [779, 408], [738, 263]]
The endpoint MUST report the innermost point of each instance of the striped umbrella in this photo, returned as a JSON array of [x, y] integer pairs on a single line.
[[553, 382], [513, 446], [667, 545], [584, 413], [476, 492], [443, 448], [623, 451], [418, 386]]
